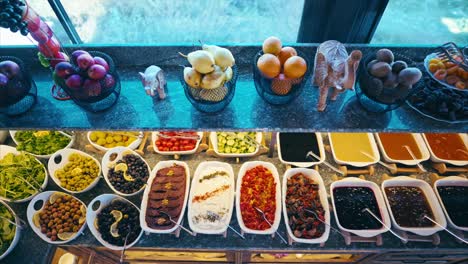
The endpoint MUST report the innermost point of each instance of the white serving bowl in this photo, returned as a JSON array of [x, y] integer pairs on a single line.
[[303, 164], [196, 185], [431, 199], [4, 150], [91, 215], [105, 167], [315, 176], [65, 154], [144, 201], [450, 181], [357, 182], [243, 169], [133, 145], [420, 143], [155, 136], [436, 159], [44, 197], [17, 231], [72, 140], [214, 143], [356, 163]]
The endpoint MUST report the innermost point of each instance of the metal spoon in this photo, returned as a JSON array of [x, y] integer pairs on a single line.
[[181, 226], [414, 157], [247, 138], [218, 217], [122, 255], [311, 153], [450, 232], [379, 162], [266, 220], [325, 223], [380, 221]]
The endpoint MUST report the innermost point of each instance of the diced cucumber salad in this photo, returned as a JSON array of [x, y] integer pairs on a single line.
[[236, 142]]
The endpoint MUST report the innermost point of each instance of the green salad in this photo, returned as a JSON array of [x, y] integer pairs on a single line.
[[41, 142], [21, 176], [7, 229]]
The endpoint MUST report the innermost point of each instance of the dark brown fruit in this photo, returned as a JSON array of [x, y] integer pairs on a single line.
[[380, 69], [375, 87], [391, 80], [409, 76], [370, 64], [385, 55], [398, 66]]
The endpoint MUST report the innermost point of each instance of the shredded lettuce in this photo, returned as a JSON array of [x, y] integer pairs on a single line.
[[40, 143], [7, 229]]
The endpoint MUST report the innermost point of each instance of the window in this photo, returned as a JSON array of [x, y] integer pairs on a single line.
[[423, 22]]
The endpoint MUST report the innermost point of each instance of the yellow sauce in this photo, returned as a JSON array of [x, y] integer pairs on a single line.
[[349, 147]]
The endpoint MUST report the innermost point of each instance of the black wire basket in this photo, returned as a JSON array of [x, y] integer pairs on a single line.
[[387, 99], [89, 100], [276, 91], [213, 100], [20, 94]]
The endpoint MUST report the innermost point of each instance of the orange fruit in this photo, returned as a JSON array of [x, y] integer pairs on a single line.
[[272, 45], [286, 53], [269, 65], [295, 67]]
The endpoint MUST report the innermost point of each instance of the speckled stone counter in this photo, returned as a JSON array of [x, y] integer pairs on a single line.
[[247, 111], [31, 249]]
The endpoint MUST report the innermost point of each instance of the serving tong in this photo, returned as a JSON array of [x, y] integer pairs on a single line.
[[311, 153], [266, 220], [218, 217], [386, 226], [247, 139], [450, 52], [443, 227], [325, 223], [180, 135]]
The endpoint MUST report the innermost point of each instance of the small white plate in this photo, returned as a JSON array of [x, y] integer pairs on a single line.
[[419, 142], [4, 150], [436, 159], [356, 163], [154, 138], [450, 181], [356, 182], [214, 143], [91, 215], [196, 185], [65, 153], [431, 199], [315, 176], [303, 164], [105, 167], [72, 140], [17, 231], [244, 168], [144, 201], [133, 145], [44, 197]]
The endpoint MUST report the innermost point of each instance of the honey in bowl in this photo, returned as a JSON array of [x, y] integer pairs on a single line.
[[394, 145], [350, 147], [447, 146]]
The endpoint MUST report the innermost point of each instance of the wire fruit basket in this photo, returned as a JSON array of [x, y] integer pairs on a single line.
[[20, 94]]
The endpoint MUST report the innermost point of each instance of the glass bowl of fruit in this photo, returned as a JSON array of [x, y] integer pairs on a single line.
[[280, 73], [386, 80], [446, 73], [90, 79], [105, 140], [18, 92], [210, 80]]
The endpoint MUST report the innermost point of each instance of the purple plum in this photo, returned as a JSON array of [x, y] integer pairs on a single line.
[[109, 81], [64, 69], [102, 62], [84, 61], [96, 72], [3, 80], [74, 81], [92, 87], [76, 54], [9, 68]]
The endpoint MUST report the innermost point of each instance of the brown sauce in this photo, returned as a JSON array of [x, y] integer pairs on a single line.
[[447, 146], [394, 145]]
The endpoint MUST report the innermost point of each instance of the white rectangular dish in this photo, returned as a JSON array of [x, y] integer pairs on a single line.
[[431, 199], [421, 145], [450, 181], [214, 143], [155, 136], [221, 204], [132, 145], [244, 168], [315, 176], [435, 158], [357, 182], [144, 202], [303, 164], [70, 144], [375, 153]]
